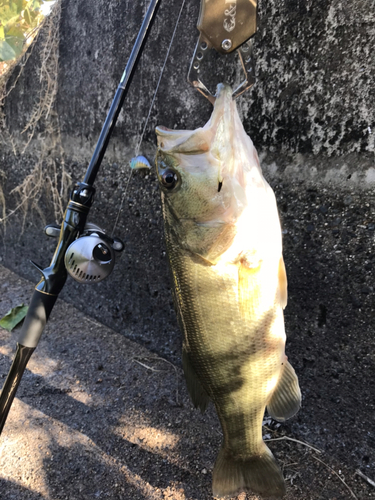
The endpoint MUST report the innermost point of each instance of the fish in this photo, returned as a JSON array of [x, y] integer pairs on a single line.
[[224, 246], [139, 162]]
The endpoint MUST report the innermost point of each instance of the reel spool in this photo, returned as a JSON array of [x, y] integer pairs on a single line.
[[91, 257]]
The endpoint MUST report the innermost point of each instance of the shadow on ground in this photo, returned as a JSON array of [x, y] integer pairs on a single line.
[[98, 416]]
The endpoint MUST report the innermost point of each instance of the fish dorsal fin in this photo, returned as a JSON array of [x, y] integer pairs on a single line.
[[283, 284]]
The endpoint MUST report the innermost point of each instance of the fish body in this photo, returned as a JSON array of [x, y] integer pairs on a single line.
[[224, 245]]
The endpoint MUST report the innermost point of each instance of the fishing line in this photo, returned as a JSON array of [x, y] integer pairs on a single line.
[[138, 146], [160, 77]]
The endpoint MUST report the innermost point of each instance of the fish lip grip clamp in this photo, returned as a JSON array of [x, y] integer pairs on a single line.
[[224, 25]]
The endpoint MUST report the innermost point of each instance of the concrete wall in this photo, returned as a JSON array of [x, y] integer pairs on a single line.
[[314, 93], [311, 115]]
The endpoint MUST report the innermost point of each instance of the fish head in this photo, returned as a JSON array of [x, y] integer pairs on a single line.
[[203, 176], [189, 179]]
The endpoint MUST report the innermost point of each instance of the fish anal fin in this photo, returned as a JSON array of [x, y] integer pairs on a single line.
[[196, 391], [283, 284], [286, 398], [257, 474]]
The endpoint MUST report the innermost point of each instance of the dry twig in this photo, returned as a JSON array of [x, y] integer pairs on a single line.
[[334, 472], [157, 358], [49, 172], [367, 479], [286, 438], [146, 366]]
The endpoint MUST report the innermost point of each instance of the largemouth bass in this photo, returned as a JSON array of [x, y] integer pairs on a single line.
[[224, 246]]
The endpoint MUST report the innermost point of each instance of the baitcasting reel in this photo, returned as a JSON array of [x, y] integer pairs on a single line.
[[91, 257]]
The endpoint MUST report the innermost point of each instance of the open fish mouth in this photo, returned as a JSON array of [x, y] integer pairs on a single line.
[[218, 158]]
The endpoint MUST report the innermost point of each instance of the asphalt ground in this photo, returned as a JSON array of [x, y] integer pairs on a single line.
[[98, 416]]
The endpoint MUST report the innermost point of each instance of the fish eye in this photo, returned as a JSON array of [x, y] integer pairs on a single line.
[[169, 178]]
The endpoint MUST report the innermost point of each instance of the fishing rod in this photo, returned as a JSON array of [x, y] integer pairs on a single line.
[[83, 249]]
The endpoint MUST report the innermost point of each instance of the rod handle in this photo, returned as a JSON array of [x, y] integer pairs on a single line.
[[8, 393], [36, 318]]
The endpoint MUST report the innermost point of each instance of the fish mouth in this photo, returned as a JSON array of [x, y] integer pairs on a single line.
[[198, 141], [167, 135], [161, 128], [222, 142]]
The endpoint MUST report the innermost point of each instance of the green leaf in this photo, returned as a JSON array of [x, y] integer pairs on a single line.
[[6, 51], [18, 5], [7, 12], [27, 15], [13, 317], [35, 4], [13, 21], [14, 37]]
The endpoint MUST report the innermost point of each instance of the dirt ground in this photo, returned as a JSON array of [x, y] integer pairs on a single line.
[[100, 417]]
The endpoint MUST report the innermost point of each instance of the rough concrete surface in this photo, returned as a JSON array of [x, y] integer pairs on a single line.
[[314, 90], [99, 416], [311, 116]]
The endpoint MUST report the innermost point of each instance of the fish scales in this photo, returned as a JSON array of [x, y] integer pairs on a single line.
[[229, 292], [228, 366]]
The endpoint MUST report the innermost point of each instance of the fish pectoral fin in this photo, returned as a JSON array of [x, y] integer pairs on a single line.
[[258, 474], [283, 284], [286, 398], [197, 393], [249, 287], [223, 240]]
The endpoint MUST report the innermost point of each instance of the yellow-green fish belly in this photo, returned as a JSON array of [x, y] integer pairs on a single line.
[[237, 359]]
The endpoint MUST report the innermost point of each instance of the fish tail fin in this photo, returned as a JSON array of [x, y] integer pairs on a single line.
[[258, 474]]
